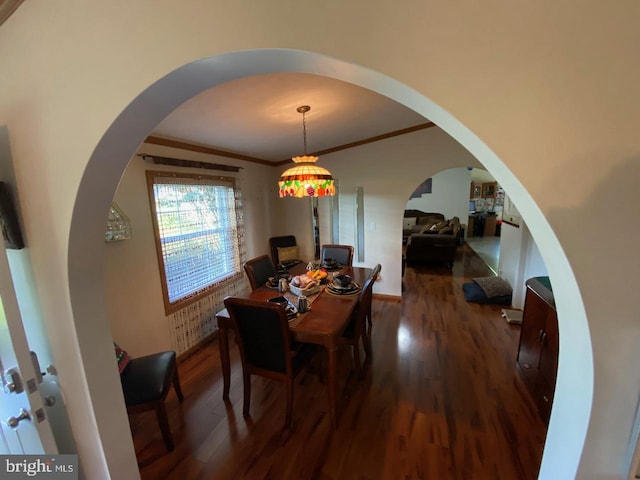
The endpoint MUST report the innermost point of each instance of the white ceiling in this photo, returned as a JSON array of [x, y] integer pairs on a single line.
[[256, 116]]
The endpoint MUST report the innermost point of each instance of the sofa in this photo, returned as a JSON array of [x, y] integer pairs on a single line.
[[436, 241], [427, 248], [415, 220]]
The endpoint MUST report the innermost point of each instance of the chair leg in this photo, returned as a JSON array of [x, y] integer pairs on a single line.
[[366, 341], [247, 394], [356, 356], [163, 420], [176, 384], [288, 415]]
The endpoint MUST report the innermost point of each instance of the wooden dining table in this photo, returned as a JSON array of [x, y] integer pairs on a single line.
[[322, 325]]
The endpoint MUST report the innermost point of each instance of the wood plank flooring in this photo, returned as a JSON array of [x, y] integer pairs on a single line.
[[440, 399]]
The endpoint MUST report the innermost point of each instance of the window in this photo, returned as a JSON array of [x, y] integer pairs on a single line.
[[197, 221]]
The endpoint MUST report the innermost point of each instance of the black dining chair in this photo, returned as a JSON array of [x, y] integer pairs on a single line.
[[146, 382], [357, 328], [281, 244], [369, 315], [266, 348], [343, 254], [258, 271]]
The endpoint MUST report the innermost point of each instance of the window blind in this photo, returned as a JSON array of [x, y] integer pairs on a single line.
[[198, 231]]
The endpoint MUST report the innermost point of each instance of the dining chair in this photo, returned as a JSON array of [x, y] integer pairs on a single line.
[[146, 382], [266, 348], [284, 250], [357, 328], [343, 254], [258, 270], [369, 314]]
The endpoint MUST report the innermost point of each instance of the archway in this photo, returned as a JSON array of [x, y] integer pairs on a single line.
[[128, 131]]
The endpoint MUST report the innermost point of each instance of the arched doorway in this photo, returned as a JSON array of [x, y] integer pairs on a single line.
[[127, 132]]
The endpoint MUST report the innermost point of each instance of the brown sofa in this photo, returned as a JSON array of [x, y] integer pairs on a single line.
[[427, 248], [435, 242], [415, 220]]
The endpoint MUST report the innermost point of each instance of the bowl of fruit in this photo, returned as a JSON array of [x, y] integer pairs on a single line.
[[319, 274]]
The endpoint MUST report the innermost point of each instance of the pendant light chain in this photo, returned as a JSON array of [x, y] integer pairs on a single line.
[[303, 109], [304, 130]]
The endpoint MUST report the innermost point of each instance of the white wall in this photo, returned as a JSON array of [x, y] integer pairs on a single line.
[[519, 260], [449, 194]]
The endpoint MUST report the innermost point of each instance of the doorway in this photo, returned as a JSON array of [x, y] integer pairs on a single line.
[[109, 160]]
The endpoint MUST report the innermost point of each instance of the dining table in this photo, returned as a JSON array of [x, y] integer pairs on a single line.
[[323, 324]]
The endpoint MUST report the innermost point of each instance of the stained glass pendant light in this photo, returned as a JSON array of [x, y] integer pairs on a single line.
[[306, 179]]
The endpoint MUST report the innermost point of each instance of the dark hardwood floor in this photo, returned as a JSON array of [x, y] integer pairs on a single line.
[[440, 399]]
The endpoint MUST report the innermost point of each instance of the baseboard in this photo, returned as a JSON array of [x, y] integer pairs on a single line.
[[190, 351], [383, 296]]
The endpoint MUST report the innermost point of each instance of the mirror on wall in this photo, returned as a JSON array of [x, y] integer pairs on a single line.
[[315, 227]]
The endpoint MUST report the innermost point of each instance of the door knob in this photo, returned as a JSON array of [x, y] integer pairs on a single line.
[[14, 421], [12, 381]]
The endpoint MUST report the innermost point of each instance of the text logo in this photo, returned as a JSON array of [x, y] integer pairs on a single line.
[[41, 467]]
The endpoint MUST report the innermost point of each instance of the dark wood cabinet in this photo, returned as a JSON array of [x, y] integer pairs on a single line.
[[537, 358]]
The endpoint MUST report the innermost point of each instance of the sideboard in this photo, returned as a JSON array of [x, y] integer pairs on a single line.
[[537, 359]]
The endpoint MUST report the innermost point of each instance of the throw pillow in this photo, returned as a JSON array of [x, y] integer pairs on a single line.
[[437, 226], [494, 286], [122, 357], [287, 253], [409, 222], [447, 229], [473, 293]]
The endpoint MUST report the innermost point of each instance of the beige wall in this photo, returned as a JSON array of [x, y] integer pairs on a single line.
[[544, 94]]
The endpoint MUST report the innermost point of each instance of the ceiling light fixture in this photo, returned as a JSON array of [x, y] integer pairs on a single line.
[[306, 179]]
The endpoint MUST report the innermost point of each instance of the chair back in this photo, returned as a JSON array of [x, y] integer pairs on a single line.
[[376, 272], [258, 270], [343, 254], [367, 289], [280, 242], [363, 308], [366, 295], [263, 334]]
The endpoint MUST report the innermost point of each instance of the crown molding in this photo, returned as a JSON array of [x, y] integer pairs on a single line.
[[166, 142]]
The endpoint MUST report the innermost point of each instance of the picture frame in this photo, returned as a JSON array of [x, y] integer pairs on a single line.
[[488, 190]]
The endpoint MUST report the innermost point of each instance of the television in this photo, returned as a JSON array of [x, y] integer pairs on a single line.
[[472, 206]]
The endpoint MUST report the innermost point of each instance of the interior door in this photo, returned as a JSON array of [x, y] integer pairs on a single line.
[[24, 426]]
